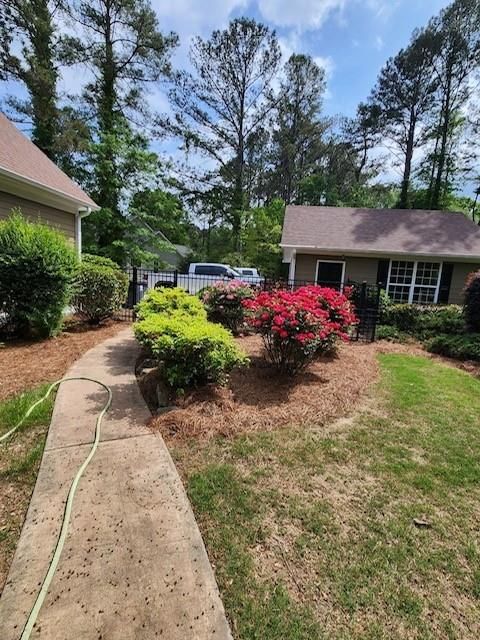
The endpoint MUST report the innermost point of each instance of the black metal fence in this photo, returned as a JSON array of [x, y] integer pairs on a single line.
[[365, 296]]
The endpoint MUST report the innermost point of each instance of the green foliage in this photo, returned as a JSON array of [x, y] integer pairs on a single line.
[[472, 302], [168, 301], [462, 347], [424, 321], [192, 350], [388, 332], [261, 238], [37, 267], [100, 288]]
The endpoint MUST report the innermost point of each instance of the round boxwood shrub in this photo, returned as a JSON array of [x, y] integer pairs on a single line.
[[100, 288], [472, 302], [167, 301], [191, 350], [37, 268]]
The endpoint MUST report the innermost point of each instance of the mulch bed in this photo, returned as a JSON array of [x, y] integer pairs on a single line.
[[27, 364], [257, 399]]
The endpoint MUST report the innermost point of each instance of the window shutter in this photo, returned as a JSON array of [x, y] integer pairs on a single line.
[[445, 282], [382, 272]]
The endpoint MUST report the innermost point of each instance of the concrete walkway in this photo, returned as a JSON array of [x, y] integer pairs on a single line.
[[134, 565]]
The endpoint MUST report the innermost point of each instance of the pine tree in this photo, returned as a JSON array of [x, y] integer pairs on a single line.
[[28, 53], [219, 109], [124, 50], [298, 127], [405, 95]]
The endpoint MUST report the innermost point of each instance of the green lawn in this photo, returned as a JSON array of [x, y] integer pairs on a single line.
[[312, 533], [20, 458]]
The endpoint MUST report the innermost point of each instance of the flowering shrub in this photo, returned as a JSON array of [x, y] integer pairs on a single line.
[[224, 303], [296, 326]]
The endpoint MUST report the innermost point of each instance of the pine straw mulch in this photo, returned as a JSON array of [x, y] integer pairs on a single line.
[[27, 364], [258, 399]]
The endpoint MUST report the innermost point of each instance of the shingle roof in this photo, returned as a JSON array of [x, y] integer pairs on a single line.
[[19, 156], [386, 231]]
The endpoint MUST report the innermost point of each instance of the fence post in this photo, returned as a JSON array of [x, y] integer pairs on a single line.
[[134, 287], [175, 278]]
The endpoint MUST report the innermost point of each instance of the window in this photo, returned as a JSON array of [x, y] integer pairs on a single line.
[[247, 272], [416, 282], [209, 270], [330, 273]]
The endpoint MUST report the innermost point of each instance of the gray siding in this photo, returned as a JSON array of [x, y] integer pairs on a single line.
[[358, 269], [459, 275], [61, 220]]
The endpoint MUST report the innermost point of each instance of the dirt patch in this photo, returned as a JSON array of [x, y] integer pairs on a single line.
[[27, 364], [257, 399]]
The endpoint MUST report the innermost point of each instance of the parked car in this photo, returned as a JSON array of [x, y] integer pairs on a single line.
[[199, 276], [250, 274]]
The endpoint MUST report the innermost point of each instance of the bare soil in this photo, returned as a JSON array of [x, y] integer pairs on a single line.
[[27, 364]]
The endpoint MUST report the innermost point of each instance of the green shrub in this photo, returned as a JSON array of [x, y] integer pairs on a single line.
[[384, 306], [37, 267], [388, 332], [100, 289], [167, 301], [462, 347], [192, 350], [472, 302], [425, 321]]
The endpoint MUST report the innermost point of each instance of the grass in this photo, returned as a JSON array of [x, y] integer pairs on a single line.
[[20, 458], [313, 533]]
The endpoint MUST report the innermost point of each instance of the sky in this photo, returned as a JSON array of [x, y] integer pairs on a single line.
[[351, 39]]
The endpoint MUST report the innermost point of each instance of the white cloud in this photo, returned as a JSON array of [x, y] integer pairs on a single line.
[[379, 43], [303, 14]]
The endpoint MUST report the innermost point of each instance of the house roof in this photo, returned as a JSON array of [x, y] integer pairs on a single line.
[[381, 231], [22, 160]]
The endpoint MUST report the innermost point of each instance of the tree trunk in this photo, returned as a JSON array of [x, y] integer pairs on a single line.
[[404, 195], [437, 187]]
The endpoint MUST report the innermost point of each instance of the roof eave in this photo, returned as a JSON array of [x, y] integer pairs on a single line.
[[374, 253], [55, 193]]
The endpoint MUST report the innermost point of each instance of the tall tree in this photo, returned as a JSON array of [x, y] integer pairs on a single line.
[[456, 33], [298, 128], [219, 108], [28, 53], [121, 45], [405, 94]]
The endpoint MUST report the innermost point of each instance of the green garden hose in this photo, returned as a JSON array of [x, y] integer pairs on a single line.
[[27, 630]]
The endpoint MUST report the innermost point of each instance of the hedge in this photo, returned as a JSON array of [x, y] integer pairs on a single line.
[[424, 321], [462, 347], [37, 268], [167, 301]]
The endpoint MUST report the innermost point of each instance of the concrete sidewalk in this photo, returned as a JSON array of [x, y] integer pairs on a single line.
[[134, 565]]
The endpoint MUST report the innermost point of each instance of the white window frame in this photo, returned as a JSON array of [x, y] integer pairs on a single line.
[[342, 262], [412, 285]]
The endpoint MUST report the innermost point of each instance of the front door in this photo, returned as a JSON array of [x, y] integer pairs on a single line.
[[330, 274]]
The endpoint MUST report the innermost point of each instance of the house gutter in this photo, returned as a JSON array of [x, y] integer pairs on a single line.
[[83, 212]]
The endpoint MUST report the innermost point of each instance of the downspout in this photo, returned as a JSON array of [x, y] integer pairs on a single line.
[[82, 212]]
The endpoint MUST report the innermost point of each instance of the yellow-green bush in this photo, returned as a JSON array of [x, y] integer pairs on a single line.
[[168, 301], [192, 350]]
